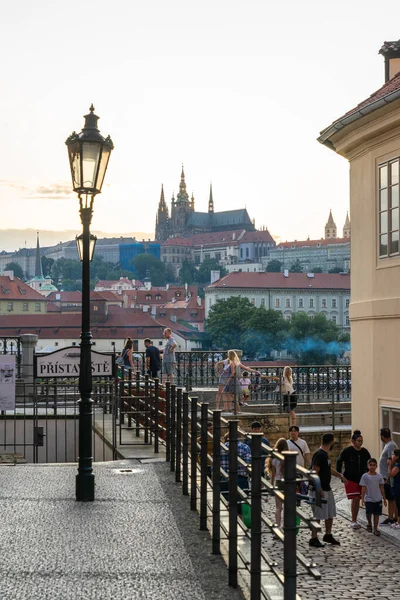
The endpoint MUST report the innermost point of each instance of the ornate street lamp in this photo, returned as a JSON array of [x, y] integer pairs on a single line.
[[89, 153]]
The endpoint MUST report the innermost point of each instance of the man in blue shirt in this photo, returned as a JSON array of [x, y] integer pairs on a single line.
[[243, 452], [256, 427]]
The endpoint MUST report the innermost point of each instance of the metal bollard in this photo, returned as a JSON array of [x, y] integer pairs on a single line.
[[137, 403], [156, 383], [146, 406], [233, 506], [255, 558], [216, 478], [193, 454], [121, 397], [289, 528], [185, 445], [178, 449], [203, 467]]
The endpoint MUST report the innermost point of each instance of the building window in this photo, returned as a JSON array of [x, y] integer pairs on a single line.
[[277, 303], [287, 303], [311, 302], [253, 301], [301, 303], [218, 256], [148, 296], [10, 306], [333, 318], [391, 419], [262, 302], [38, 307], [247, 253], [323, 303], [347, 320], [347, 302], [25, 306], [287, 317], [388, 208], [334, 303], [206, 257], [160, 343], [56, 343], [158, 297]]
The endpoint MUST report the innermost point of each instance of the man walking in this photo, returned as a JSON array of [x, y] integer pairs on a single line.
[[243, 452], [153, 360], [297, 444], [169, 355], [386, 455], [256, 427], [327, 511]]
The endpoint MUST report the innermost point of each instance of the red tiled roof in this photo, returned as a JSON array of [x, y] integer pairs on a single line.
[[177, 242], [321, 242], [112, 283], [258, 236], [242, 280], [106, 295], [65, 297], [384, 95], [17, 290], [226, 238]]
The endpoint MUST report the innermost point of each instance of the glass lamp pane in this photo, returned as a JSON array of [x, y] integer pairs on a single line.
[[90, 161], [79, 245], [74, 152], [103, 167], [92, 245]]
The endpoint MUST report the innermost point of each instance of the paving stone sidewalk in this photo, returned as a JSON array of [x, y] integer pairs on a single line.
[[138, 540], [362, 567]]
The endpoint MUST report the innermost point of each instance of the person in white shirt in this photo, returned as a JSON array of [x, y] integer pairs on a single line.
[[296, 444]]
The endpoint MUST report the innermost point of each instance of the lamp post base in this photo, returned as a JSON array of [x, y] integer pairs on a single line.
[[84, 487]]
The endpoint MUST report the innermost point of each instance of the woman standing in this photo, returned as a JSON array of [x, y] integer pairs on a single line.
[[228, 391], [289, 397], [275, 468], [355, 459], [127, 353]]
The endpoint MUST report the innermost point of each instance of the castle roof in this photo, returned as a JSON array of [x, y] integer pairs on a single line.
[[262, 280], [318, 243]]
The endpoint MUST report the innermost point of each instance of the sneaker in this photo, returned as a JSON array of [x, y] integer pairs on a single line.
[[315, 543], [369, 528], [388, 521], [355, 525], [395, 525], [377, 532], [328, 537]]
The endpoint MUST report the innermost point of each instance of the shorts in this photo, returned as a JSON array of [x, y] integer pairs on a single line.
[[373, 508], [327, 510], [388, 492], [223, 379], [289, 402], [353, 490], [169, 368], [152, 373]]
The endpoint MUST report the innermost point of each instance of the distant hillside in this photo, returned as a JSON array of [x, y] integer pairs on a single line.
[[13, 239]]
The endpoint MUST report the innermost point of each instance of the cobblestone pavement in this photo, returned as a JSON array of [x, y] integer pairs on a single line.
[[138, 540], [362, 567]]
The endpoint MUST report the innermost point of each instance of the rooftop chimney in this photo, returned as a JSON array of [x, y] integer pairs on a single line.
[[391, 52], [215, 275], [286, 273]]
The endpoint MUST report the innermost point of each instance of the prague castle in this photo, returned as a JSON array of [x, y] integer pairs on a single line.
[[184, 221]]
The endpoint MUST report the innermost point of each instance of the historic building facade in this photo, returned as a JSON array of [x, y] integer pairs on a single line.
[[185, 221], [368, 136]]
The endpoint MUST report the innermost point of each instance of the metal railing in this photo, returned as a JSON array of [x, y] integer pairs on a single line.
[[12, 345], [194, 455]]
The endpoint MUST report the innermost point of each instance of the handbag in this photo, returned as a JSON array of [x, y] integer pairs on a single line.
[[120, 359]]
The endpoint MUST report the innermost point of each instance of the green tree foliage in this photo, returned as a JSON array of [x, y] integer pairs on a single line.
[[296, 267], [317, 270], [204, 271], [335, 270], [47, 264], [188, 273], [160, 273], [315, 341], [227, 321], [274, 266], [13, 266]]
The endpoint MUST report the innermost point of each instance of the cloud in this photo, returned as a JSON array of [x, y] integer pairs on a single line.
[[53, 191], [13, 184]]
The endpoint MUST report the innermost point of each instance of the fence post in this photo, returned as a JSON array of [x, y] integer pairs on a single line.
[[289, 528], [185, 446], [178, 435], [203, 467], [333, 410], [233, 503], [146, 406], [193, 454], [255, 557], [136, 400], [216, 478], [156, 415], [167, 421], [173, 426], [121, 396]]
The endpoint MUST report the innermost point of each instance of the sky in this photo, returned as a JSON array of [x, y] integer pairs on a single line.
[[237, 91]]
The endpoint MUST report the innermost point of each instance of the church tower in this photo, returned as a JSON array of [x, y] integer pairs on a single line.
[[162, 219], [181, 207], [211, 201], [346, 227], [330, 228]]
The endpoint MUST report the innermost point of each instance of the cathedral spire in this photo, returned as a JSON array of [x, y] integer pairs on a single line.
[[330, 227], [38, 262], [211, 201], [182, 196], [162, 205], [182, 185], [346, 227]]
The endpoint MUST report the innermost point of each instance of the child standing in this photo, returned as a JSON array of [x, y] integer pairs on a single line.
[[372, 494], [244, 386], [394, 472]]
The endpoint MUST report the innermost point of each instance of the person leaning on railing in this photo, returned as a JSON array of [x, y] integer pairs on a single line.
[[243, 452]]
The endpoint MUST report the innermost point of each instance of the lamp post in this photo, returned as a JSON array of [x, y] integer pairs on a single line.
[[89, 153]]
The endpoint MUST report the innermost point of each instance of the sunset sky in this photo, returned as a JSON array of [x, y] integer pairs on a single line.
[[236, 91]]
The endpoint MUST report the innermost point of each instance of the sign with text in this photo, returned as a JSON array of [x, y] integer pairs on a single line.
[[7, 382], [65, 363]]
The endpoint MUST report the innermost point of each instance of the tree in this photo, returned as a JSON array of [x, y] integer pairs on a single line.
[[274, 266], [47, 264], [13, 266], [317, 270], [204, 271], [266, 331], [335, 270], [146, 262], [296, 267], [188, 273], [315, 340], [169, 273], [227, 321]]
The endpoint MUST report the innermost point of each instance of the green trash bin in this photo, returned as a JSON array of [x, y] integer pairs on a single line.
[[246, 514]]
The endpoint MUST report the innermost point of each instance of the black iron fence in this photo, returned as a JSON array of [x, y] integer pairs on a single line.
[[214, 475], [12, 345]]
